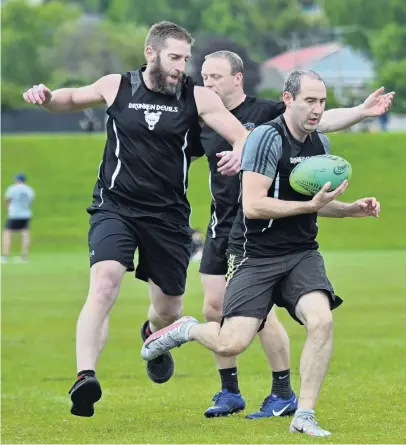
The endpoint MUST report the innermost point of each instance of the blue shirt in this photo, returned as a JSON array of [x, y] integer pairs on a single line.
[[20, 197]]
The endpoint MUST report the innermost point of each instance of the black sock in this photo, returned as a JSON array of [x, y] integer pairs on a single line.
[[229, 379], [281, 384], [89, 372]]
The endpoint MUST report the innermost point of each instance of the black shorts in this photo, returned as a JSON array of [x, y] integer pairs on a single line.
[[17, 224], [214, 258], [163, 247], [254, 285]]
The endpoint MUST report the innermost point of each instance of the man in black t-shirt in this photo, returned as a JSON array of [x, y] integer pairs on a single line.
[[274, 257], [139, 199], [223, 73]]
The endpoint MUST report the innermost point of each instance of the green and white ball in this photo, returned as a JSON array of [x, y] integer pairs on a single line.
[[309, 177]]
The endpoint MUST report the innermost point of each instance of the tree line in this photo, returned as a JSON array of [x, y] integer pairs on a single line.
[[67, 43]]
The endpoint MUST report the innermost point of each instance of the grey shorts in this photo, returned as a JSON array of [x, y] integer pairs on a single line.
[[254, 285]]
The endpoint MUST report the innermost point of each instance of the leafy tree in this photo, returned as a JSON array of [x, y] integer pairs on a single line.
[[264, 26], [379, 31], [27, 28], [88, 49]]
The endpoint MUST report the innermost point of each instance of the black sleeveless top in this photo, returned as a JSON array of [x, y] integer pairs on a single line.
[[145, 165]]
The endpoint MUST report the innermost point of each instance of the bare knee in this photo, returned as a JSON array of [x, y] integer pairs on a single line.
[[321, 322], [230, 347], [313, 309], [106, 289], [169, 311], [236, 335], [214, 289], [105, 284], [167, 307]]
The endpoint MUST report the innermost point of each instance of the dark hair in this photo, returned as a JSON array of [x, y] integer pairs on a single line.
[[160, 32], [293, 81]]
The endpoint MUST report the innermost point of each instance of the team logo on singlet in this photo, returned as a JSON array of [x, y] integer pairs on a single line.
[[152, 118], [298, 159], [249, 126]]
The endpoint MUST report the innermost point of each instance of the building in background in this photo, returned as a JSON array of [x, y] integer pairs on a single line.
[[340, 66]]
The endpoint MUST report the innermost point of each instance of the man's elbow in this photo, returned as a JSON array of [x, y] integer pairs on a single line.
[[251, 211]]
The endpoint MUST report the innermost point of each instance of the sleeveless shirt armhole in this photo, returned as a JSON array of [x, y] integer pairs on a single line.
[[122, 94], [190, 86]]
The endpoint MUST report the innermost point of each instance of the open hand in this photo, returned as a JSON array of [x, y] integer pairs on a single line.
[[378, 103], [364, 207], [323, 197]]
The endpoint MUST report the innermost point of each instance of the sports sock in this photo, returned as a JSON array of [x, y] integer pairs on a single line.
[[304, 412], [281, 384], [229, 379]]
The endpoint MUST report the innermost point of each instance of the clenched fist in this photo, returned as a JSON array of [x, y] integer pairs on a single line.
[[38, 94]]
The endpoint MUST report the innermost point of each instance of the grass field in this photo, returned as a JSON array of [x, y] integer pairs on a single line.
[[63, 170], [362, 400]]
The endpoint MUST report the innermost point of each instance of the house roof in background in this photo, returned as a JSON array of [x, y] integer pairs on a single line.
[[293, 59]]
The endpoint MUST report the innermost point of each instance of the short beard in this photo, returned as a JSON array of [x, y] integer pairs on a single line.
[[160, 81]]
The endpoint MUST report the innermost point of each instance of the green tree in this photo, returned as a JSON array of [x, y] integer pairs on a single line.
[[264, 26], [379, 31], [145, 12], [90, 48], [389, 44], [26, 30], [388, 49], [357, 18]]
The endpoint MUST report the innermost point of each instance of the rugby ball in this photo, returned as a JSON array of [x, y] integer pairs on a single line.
[[310, 175]]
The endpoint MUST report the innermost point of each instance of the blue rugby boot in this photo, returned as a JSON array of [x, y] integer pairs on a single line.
[[274, 406], [225, 404]]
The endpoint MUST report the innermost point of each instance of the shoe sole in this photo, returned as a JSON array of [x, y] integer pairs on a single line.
[[83, 398], [161, 379], [152, 376], [308, 434], [226, 414], [285, 414]]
